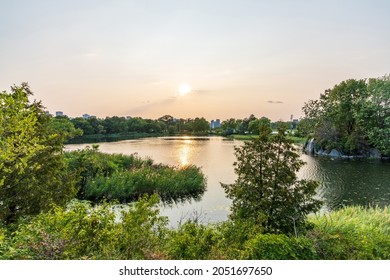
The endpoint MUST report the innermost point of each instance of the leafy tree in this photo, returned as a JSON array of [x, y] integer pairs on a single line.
[[374, 116], [32, 170], [267, 190], [229, 126], [64, 127], [254, 125], [305, 127], [115, 125], [352, 117], [200, 126], [84, 125]]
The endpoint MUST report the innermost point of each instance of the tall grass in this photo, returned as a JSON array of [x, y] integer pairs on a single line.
[[352, 233], [169, 183], [126, 178]]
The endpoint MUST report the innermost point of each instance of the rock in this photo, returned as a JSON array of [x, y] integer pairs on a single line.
[[374, 153], [335, 153], [321, 152], [309, 146]]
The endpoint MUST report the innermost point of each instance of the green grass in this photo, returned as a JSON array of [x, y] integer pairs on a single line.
[[352, 233]]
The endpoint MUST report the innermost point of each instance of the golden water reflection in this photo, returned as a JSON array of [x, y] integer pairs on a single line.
[[185, 152]]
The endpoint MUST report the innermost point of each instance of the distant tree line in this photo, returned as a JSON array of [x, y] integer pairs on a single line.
[[166, 125], [249, 125], [352, 117]]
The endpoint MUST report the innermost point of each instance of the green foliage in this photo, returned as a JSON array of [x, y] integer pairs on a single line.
[[352, 117], [374, 116], [81, 231], [192, 241], [114, 128], [3, 244], [143, 231], [267, 190], [278, 247], [126, 178], [64, 127], [352, 233], [85, 232], [254, 125], [170, 184], [305, 128], [232, 237], [33, 174]]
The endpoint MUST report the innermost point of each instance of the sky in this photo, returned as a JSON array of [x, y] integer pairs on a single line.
[[233, 58]]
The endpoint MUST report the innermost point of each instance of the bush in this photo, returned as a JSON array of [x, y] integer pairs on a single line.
[[85, 232], [279, 247], [192, 241], [126, 178]]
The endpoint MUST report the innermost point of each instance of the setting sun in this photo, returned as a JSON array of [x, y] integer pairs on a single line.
[[184, 89]]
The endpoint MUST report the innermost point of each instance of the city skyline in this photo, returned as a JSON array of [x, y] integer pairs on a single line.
[[211, 59]]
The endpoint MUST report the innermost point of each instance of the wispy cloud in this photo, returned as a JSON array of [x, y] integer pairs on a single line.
[[147, 105], [275, 102]]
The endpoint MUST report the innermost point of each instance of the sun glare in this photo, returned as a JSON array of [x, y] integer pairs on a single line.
[[184, 89]]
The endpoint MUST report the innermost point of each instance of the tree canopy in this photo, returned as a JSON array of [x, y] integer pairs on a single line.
[[352, 117], [32, 169], [267, 191]]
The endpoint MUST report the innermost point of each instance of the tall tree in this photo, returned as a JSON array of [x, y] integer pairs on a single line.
[[32, 169], [374, 116], [267, 190], [334, 117]]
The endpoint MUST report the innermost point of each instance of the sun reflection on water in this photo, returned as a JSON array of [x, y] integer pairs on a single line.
[[185, 152]]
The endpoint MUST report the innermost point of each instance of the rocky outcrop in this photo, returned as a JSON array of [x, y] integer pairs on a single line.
[[374, 153], [335, 153], [309, 146], [312, 148]]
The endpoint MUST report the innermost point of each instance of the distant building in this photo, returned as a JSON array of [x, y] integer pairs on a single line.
[[294, 123], [215, 124], [59, 113], [86, 116]]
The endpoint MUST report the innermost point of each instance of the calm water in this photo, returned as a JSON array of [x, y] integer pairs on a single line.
[[343, 182]]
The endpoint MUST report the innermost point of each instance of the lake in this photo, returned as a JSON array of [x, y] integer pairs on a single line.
[[342, 182]]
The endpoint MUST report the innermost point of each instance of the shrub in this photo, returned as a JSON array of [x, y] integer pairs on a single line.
[[279, 247], [85, 232], [192, 241]]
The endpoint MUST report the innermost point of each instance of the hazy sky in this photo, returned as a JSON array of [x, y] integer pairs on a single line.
[[238, 57]]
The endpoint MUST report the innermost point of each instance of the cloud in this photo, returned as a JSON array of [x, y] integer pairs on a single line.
[[148, 105], [275, 102]]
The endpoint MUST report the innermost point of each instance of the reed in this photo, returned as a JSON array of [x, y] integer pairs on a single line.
[[353, 232]]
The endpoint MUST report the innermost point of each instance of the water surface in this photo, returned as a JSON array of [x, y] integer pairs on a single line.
[[342, 182]]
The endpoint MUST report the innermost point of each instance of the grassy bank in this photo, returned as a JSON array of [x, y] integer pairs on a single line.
[[352, 233], [85, 232]]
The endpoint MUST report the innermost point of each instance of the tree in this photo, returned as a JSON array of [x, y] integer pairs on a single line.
[[64, 127], [254, 125], [267, 191], [374, 116], [32, 169], [229, 126], [200, 126], [352, 117]]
